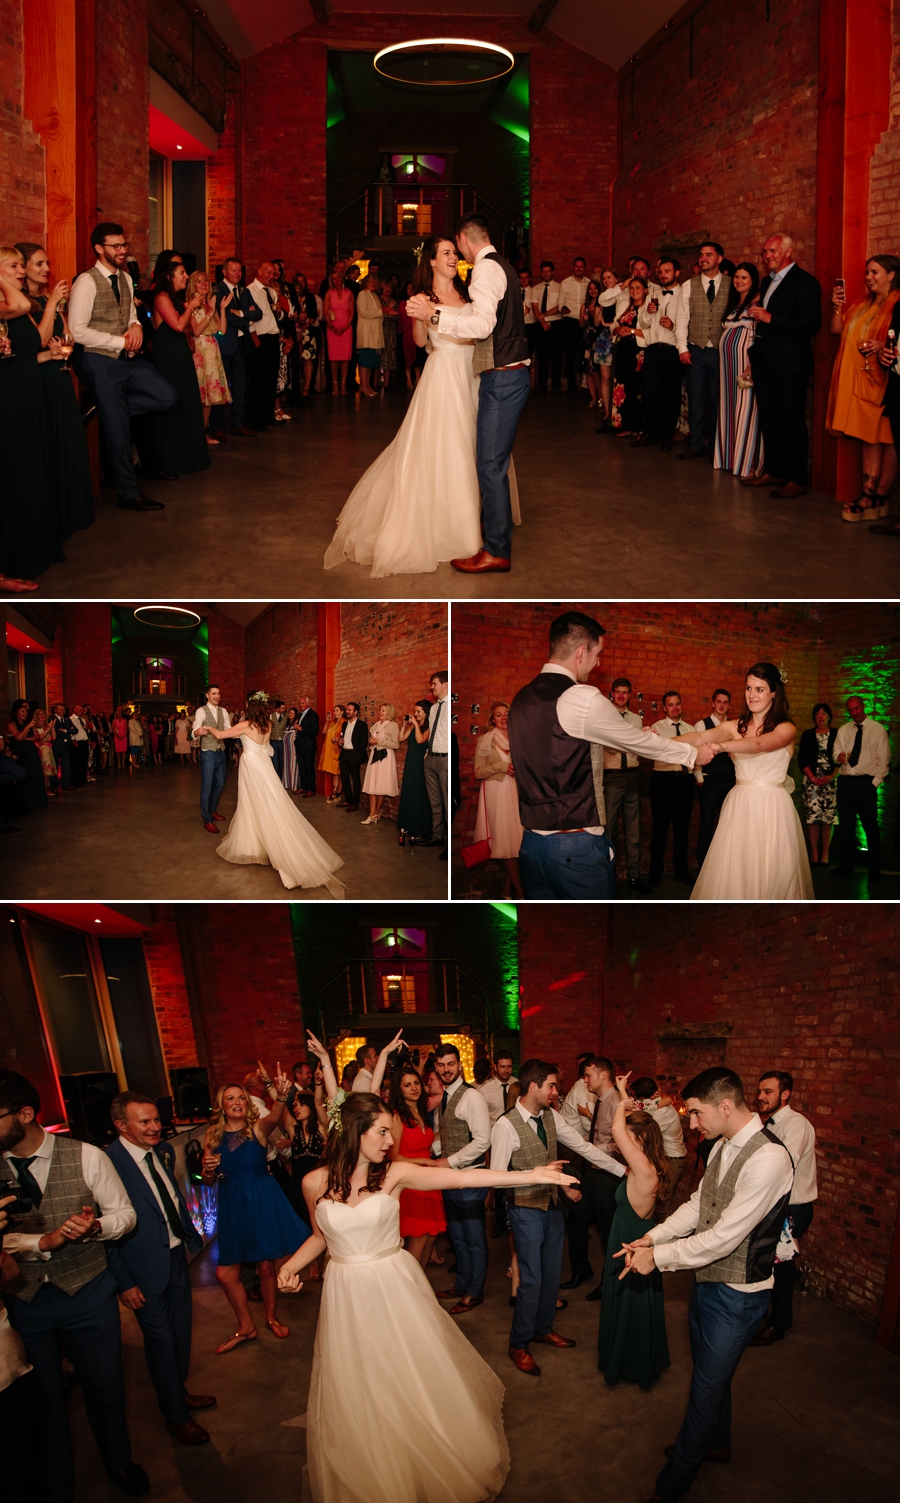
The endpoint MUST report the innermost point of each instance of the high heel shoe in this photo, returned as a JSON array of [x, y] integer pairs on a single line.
[[369, 821], [402, 840]]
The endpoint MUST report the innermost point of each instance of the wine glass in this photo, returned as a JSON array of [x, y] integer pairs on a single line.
[[4, 334], [865, 348], [67, 345]]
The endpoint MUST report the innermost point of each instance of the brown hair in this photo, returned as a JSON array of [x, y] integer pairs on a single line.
[[216, 1131], [650, 1141], [779, 710], [423, 278], [358, 1113], [118, 1107], [256, 713]]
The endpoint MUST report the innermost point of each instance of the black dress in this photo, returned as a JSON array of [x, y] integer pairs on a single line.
[[306, 1155], [180, 436], [29, 534], [34, 792], [69, 464], [414, 813]]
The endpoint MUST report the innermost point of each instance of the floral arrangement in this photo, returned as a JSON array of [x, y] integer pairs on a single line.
[[260, 695]]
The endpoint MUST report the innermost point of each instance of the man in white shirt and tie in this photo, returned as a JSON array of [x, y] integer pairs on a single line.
[[264, 352], [622, 789], [549, 337], [354, 749], [663, 374], [864, 752], [437, 758], [727, 1233], [572, 293], [495, 1091], [799, 1138], [698, 329], [671, 798], [528, 296]]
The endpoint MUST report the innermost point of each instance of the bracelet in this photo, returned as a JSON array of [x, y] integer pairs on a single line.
[[267, 1083], [282, 1099]]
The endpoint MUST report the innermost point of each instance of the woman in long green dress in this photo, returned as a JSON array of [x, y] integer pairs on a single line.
[[180, 434], [414, 812], [633, 1342], [69, 463]]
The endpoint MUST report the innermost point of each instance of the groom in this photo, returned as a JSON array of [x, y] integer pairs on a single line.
[[213, 763], [496, 319]]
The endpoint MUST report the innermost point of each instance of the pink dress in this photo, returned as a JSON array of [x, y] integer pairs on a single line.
[[120, 735], [502, 799], [342, 304], [406, 331]]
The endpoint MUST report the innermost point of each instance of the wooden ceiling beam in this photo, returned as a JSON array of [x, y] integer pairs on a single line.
[[541, 14]]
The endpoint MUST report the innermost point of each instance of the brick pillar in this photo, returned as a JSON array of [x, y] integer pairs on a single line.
[[165, 969], [87, 656]]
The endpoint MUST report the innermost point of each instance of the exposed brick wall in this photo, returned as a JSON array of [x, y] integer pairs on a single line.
[[562, 956], [226, 657], [884, 175], [281, 652], [719, 134], [223, 213], [22, 183], [284, 155], [86, 642], [123, 102], [165, 969]]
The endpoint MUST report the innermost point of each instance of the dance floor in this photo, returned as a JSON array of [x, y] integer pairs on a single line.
[[140, 836], [601, 521], [814, 1418]]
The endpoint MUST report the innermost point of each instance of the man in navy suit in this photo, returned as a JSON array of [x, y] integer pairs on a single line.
[[788, 315], [241, 312], [307, 731], [150, 1265]]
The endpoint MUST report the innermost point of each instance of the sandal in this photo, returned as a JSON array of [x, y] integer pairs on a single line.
[[278, 1329], [859, 510], [235, 1341]]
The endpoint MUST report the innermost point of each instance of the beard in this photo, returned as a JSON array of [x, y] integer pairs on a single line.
[[13, 1135]]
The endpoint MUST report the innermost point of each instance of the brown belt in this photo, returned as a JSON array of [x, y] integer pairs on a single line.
[[516, 365]]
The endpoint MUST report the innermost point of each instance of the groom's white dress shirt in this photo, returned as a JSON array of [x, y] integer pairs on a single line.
[[488, 287], [201, 724]]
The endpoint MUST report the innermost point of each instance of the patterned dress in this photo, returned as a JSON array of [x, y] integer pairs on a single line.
[[820, 800], [208, 359], [739, 445]]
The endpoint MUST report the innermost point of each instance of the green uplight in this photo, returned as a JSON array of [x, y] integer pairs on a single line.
[[334, 103], [509, 910], [512, 109], [873, 677], [508, 953]]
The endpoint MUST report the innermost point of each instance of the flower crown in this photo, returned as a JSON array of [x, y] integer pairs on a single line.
[[333, 1109], [259, 695], [784, 677]]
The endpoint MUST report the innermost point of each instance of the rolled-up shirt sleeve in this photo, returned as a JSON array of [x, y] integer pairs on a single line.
[[114, 1210], [570, 1137], [81, 306], [474, 1111], [477, 319], [587, 714]]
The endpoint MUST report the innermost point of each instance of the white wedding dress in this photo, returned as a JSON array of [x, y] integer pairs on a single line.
[[758, 850], [401, 1407], [419, 504], [269, 830]]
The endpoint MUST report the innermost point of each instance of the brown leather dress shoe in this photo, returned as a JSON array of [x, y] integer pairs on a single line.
[[482, 563], [763, 479], [767, 1337], [524, 1361], [789, 491], [553, 1338], [468, 1302], [711, 1455], [447, 1293], [199, 1401], [213, 829], [217, 815], [244, 432], [190, 1433]]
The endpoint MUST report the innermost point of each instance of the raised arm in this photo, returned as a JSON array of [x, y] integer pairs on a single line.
[[384, 1056], [45, 327], [636, 1160], [239, 729], [268, 1124], [329, 1079], [404, 1174]]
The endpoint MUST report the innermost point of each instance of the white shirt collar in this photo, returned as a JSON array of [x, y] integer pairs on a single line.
[[44, 1152], [745, 1134], [525, 1113], [558, 668], [138, 1154], [450, 1089], [485, 251], [109, 272]]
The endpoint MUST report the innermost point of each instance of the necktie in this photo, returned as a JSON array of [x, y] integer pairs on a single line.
[[544, 298], [857, 747], [678, 733], [541, 1130], [114, 284], [444, 1103], [711, 292], [27, 1181], [594, 1122], [505, 1089], [440, 706], [623, 755], [169, 1206]]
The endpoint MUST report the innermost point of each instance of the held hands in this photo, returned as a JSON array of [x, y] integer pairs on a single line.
[[706, 753], [289, 1283], [420, 306], [638, 1257]]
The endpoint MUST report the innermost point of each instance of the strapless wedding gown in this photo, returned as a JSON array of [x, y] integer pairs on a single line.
[[419, 504], [758, 850], [401, 1407], [269, 830]]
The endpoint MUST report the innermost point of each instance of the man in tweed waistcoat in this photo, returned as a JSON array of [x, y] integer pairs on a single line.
[[64, 1290], [727, 1232]]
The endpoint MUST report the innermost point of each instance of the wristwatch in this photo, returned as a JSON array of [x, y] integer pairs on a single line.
[[435, 319]]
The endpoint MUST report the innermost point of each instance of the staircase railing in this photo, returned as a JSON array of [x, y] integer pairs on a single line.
[[425, 209], [355, 998]]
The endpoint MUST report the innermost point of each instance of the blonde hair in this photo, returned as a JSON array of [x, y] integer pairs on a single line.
[[194, 278], [495, 706], [217, 1129], [391, 712], [11, 253]]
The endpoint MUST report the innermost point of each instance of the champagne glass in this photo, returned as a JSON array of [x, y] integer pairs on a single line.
[[67, 345], [865, 346]]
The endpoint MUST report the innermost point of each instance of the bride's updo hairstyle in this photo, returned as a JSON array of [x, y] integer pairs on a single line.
[[256, 714], [358, 1113], [779, 710], [423, 279]]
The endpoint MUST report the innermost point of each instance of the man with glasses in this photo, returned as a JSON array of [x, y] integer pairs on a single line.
[[108, 336]]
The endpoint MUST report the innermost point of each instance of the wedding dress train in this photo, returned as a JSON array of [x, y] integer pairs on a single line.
[[401, 1407], [758, 850], [269, 830]]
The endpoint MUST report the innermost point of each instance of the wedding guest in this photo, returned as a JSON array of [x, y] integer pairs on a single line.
[[530, 320], [21, 1399], [208, 327], [62, 745], [463, 1130], [622, 789], [149, 1264], [598, 1185], [820, 774], [285, 317], [277, 723], [856, 397], [306, 1126], [380, 780], [716, 781], [179, 433], [787, 316], [578, 1105], [889, 358], [65, 1290], [663, 373], [309, 313], [646, 1097], [863, 750], [264, 352], [698, 329], [749, 1177], [609, 300], [738, 445], [182, 743], [630, 342], [241, 311], [348, 1075], [307, 732], [256, 1222], [366, 1060], [422, 1217], [572, 293], [632, 1343], [44, 736], [671, 798], [369, 334], [408, 343], [798, 1135], [20, 731], [290, 773], [498, 807], [437, 756], [330, 755], [390, 325], [584, 363], [339, 313], [497, 1088], [414, 819], [549, 335], [354, 750]]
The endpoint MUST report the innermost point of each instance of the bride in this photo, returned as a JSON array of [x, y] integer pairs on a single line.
[[419, 504], [401, 1408], [267, 828], [758, 850]]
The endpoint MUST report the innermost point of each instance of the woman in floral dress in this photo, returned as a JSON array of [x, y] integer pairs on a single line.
[[206, 323]]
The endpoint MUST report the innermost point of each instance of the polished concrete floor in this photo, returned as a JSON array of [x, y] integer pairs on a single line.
[[814, 1418], [601, 520], [140, 836]]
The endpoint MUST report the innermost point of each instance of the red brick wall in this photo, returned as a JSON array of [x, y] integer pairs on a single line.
[[281, 652], [223, 218], [724, 146], [562, 956], [884, 176], [226, 657], [86, 643], [22, 185], [284, 155], [123, 99], [165, 969]]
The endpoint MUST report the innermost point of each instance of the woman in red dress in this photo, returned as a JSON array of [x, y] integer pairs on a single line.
[[421, 1211]]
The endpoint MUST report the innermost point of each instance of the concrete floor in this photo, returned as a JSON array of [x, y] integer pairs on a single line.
[[814, 1418], [601, 520], [140, 836]]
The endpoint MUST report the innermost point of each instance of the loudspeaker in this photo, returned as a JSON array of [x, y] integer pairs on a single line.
[[190, 1088], [166, 1108], [88, 1096]]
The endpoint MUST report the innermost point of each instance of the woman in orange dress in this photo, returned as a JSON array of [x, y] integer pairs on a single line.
[[421, 1211], [858, 383]]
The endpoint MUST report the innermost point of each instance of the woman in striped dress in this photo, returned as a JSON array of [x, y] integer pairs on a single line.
[[290, 776], [739, 445]]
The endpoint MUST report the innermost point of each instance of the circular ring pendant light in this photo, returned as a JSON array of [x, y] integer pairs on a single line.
[[166, 617], [408, 66]]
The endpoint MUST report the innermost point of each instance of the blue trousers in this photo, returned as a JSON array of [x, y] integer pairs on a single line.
[[124, 389], [63, 762], [502, 395], [722, 1321], [213, 767], [539, 1238], [567, 866], [702, 378], [165, 1320], [88, 1323], [236, 374], [464, 1210], [278, 756]]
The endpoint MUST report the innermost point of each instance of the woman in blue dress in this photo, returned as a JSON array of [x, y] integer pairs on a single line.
[[257, 1224]]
